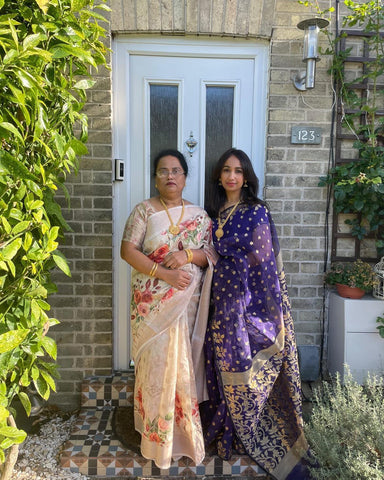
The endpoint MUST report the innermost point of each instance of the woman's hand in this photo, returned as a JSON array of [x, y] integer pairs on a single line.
[[175, 260], [179, 279]]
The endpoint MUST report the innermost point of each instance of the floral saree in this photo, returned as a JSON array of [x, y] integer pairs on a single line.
[[167, 326], [251, 356]]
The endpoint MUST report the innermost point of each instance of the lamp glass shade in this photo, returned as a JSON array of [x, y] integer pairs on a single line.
[[311, 36]]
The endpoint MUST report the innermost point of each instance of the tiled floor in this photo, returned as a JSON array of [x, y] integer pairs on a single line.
[[94, 450]]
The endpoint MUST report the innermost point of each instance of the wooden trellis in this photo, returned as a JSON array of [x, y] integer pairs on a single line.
[[345, 246]]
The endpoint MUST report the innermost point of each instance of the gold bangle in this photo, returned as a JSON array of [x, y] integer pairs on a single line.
[[155, 270], [189, 255], [152, 273]]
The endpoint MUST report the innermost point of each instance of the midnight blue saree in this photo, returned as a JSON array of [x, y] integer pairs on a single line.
[[251, 356]]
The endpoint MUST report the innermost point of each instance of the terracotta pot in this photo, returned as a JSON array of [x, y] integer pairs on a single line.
[[349, 292]]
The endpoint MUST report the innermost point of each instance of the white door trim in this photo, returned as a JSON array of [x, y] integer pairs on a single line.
[[154, 45]]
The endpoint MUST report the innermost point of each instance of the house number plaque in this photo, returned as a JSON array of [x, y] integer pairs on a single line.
[[311, 135]]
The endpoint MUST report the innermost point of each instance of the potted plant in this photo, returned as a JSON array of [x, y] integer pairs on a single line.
[[353, 279]]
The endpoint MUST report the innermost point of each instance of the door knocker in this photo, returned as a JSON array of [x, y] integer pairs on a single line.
[[191, 144]]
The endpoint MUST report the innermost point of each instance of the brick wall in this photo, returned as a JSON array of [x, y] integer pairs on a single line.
[[292, 171], [240, 18], [83, 303]]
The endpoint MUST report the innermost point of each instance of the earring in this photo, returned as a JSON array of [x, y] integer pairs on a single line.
[[245, 184], [220, 183], [155, 185]]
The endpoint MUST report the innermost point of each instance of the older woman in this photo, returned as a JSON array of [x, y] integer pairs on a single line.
[[167, 241]]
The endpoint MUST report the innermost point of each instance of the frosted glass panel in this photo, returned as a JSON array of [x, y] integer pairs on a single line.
[[163, 120], [219, 126]]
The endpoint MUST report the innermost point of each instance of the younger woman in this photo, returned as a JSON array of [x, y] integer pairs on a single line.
[[251, 356]]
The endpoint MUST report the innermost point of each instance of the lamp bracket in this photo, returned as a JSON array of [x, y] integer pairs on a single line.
[[299, 80]]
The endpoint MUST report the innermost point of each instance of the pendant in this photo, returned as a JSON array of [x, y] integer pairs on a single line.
[[219, 233], [174, 229]]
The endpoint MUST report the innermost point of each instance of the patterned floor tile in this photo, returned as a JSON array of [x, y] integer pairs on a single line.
[[111, 390], [93, 450]]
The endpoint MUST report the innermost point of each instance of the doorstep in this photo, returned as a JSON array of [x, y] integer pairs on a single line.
[[94, 450]]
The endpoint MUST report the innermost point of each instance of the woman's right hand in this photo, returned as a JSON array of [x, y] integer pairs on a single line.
[[179, 279]]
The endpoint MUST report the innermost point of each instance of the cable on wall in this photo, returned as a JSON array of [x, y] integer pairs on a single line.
[[331, 162]]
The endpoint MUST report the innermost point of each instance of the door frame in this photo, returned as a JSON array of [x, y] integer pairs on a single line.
[[180, 47]]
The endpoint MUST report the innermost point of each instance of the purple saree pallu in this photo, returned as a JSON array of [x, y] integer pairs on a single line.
[[252, 369]]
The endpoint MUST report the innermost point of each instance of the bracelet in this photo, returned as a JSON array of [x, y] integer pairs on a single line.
[[189, 255], [153, 271]]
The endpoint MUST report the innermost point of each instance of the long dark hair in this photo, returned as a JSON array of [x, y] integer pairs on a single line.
[[172, 153], [217, 196]]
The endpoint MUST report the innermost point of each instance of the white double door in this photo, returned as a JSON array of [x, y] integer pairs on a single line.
[[169, 92]]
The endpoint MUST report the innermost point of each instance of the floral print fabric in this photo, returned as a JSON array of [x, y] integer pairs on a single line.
[[163, 322], [251, 358]]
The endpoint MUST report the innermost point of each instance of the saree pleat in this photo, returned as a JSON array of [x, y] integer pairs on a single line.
[[164, 321], [251, 355]]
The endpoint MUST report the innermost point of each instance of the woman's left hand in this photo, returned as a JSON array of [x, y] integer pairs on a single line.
[[175, 260]]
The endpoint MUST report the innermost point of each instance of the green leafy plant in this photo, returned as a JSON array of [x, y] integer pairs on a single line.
[[48, 49], [346, 430], [353, 274], [380, 327], [359, 188]]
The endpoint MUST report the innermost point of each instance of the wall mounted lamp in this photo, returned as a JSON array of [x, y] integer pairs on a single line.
[[306, 79]]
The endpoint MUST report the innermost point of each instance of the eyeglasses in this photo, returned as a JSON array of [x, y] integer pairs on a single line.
[[164, 172]]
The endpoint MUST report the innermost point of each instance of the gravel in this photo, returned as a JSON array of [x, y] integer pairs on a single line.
[[39, 454]]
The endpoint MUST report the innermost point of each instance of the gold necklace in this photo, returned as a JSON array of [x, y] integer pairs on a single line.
[[220, 232], [174, 229]]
